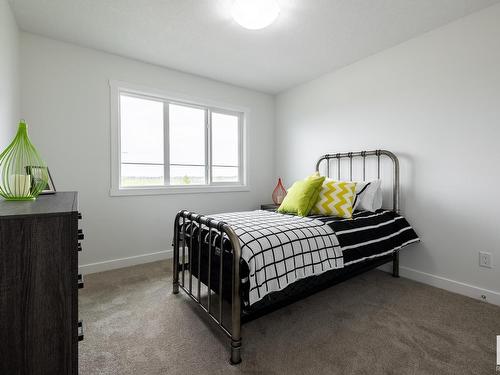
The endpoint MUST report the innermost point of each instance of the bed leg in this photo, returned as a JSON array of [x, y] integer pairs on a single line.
[[175, 288], [175, 277], [235, 352], [236, 298], [395, 264], [175, 270]]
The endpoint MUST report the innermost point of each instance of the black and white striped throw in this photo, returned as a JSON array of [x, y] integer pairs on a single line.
[[281, 249], [370, 234]]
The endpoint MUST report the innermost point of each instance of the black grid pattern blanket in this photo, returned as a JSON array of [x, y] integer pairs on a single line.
[[281, 249]]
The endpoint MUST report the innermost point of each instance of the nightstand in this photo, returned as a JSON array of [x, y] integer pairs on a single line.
[[269, 207]]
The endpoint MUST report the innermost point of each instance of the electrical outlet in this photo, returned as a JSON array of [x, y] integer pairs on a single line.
[[484, 259]]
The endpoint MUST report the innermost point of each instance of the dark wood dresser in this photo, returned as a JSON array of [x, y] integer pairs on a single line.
[[39, 281]]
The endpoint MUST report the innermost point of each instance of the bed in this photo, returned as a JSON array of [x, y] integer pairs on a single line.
[[242, 265]]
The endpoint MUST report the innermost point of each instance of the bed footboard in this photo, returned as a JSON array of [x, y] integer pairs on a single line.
[[218, 234]]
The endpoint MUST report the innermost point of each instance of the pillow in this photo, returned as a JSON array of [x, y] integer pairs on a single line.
[[368, 196], [336, 198], [302, 196]]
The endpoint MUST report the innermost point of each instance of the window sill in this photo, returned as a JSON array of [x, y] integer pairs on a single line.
[[166, 190]]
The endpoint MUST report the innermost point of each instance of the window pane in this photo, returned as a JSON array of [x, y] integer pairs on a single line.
[[187, 175], [225, 142], [187, 135], [141, 175], [225, 174], [141, 122]]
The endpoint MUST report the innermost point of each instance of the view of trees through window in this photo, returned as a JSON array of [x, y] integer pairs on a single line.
[[164, 143]]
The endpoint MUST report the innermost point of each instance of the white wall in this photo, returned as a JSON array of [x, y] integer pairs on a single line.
[[65, 100], [9, 75], [435, 102]]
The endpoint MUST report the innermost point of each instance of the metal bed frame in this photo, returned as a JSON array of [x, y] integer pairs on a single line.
[[224, 231]]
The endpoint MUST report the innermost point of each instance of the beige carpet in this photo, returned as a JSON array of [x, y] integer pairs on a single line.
[[372, 324]]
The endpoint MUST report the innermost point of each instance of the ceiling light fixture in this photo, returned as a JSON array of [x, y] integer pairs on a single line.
[[255, 14]]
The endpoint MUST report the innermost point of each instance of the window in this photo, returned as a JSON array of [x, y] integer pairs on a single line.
[[164, 145]]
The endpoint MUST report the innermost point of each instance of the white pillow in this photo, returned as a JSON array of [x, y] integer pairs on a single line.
[[368, 196]]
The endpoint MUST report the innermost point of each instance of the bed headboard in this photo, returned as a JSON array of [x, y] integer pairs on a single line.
[[363, 155]]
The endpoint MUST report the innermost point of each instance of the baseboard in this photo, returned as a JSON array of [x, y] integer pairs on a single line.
[[409, 273], [454, 286], [124, 262]]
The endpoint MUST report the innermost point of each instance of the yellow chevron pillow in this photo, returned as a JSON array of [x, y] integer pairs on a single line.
[[336, 199]]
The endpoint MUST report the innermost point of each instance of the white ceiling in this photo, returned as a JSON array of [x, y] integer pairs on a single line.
[[310, 37]]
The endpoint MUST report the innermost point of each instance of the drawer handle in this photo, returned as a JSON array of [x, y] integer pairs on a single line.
[[80, 330], [80, 216], [79, 247], [80, 281], [80, 234]]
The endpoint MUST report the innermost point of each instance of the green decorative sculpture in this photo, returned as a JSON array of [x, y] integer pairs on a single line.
[[23, 173]]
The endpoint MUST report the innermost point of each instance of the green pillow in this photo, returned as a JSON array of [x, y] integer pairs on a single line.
[[302, 196]]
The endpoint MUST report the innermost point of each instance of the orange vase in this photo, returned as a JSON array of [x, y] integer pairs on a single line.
[[279, 192]]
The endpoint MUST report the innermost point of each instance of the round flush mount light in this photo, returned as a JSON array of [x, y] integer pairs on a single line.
[[255, 14]]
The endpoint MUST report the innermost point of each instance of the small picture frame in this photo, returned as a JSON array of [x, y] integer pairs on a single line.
[[50, 188], [33, 172]]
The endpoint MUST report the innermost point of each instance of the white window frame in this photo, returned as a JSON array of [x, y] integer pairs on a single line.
[[119, 87]]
